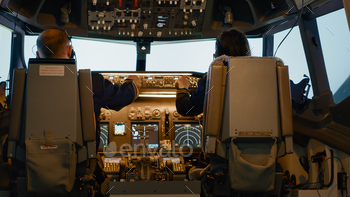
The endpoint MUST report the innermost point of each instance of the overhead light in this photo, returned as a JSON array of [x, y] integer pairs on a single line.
[[159, 93], [146, 74], [157, 96]]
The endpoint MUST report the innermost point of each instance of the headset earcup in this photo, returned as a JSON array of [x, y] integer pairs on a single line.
[[72, 56]]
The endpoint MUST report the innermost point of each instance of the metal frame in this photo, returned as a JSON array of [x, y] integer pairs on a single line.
[[6, 22], [268, 44], [312, 48], [274, 28], [329, 7], [315, 60], [142, 54], [17, 47]]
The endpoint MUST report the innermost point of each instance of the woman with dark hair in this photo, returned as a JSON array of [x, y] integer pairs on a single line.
[[228, 44]]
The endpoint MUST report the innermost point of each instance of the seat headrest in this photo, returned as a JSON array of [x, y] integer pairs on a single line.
[[50, 61]]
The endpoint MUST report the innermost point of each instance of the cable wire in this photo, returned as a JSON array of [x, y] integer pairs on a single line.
[[323, 164], [301, 12]]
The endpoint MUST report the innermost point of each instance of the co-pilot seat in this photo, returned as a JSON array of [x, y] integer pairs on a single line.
[[52, 128], [248, 120]]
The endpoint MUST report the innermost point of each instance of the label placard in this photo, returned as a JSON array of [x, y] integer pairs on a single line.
[[50, 70], [48, 147]]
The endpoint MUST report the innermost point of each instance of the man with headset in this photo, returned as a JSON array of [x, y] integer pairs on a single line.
[[55, 43]]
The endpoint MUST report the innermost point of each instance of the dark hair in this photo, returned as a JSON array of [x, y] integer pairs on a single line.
[[232, 43], [52, 41]]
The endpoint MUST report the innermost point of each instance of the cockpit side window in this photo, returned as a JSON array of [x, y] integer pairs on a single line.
[[335, 42], [5, 53], [292, 54]]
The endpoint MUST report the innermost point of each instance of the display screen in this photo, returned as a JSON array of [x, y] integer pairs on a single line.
[[119, 129], [188, 135], [173, 159], [112, 159], [103, 135], [145, 133]]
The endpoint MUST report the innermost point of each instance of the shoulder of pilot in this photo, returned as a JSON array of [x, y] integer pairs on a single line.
[[96, 77], [97, 81], [136, 91], [182, 92], [221, 60]]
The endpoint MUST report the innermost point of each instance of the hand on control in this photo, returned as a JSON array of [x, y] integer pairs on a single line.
[[184, 82], [136, 80]]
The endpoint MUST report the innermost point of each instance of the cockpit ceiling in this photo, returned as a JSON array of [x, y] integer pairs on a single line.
[[152, 19]]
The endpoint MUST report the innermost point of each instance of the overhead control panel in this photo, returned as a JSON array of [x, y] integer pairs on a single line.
[[146, 18]]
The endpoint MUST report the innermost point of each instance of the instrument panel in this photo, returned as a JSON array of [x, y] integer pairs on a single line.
[[152, 80], [145, 134], [149, 140], [150, 122], [104, 135]]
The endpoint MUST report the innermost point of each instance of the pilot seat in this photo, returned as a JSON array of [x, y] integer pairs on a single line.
[[52, 132], [247, 126]]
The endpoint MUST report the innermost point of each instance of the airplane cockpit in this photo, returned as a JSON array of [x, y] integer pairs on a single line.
[[275, 123]]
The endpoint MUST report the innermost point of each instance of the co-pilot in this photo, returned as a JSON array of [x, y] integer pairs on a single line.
[[229, 43]]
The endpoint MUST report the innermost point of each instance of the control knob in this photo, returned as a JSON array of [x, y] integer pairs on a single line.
[[156, 113], [194, 23], [176, 114], [145, 26]]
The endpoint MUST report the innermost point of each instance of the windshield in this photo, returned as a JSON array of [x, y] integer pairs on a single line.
[[293, 55], [113, 56], [5, 52], [335, 42]]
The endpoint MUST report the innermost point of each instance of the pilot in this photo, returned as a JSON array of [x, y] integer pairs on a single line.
[[228, 43], [54, 43]]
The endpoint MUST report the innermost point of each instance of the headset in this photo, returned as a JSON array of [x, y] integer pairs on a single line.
[[72, 56]]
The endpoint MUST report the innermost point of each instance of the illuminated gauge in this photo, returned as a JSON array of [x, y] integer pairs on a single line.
[[176, 114], [188, 135], [103, 135], [119, 129], [146, 134], [156, 113]]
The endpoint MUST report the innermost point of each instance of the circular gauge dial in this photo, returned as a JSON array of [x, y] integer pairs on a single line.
[[103, 135], [188, 134]]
